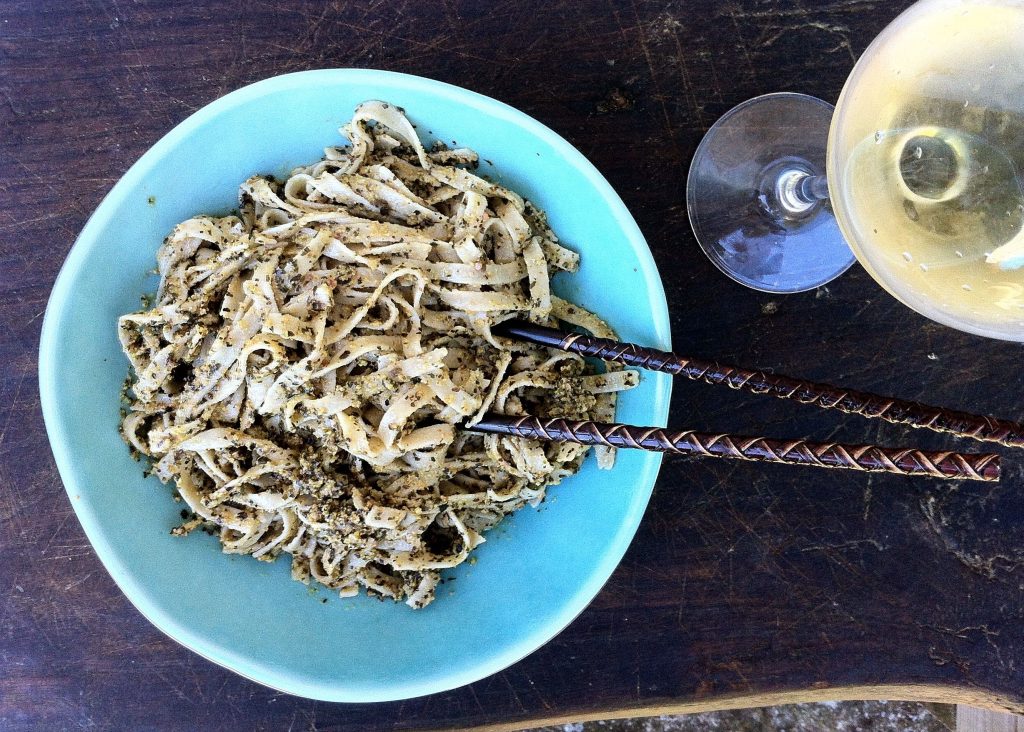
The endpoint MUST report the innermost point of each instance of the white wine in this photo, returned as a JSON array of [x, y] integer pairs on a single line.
[[926, 163]]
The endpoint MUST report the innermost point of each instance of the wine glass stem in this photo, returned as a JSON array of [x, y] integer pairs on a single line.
[[798, 191], [814, 188]]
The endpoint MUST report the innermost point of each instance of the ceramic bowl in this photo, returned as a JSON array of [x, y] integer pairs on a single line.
[[536, 571]]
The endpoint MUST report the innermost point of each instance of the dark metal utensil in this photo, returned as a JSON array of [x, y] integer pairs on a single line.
[[903, 461], [898, 411]]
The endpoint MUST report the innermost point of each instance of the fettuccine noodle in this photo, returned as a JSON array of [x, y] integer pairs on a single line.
[[308, 369]]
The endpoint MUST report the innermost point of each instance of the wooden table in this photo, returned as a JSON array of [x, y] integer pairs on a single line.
[[745, 585]]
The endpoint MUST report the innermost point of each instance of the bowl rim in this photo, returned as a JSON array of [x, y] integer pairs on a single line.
[[57, 431]]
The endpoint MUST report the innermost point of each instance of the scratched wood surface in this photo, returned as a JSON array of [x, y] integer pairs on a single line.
[[745, 585]]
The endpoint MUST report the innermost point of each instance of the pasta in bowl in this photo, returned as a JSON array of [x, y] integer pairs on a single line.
[[538, 568], [308, 362]]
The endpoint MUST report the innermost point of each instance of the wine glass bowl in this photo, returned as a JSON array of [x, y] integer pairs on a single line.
[[925, 157]]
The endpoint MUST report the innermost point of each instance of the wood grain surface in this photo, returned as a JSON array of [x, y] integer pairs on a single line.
[[746, 583]]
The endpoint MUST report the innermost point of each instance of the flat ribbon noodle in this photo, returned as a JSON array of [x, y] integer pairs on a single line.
[[309, 369]]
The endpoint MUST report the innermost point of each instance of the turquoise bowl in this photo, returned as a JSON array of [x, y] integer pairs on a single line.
[[536, 571]]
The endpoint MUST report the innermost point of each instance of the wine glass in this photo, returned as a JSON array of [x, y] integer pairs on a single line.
[[919, 170]]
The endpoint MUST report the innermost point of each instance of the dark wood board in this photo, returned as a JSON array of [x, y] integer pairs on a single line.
[[746, 584]]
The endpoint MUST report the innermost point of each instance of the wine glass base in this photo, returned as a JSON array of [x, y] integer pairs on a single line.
[[735, 195]]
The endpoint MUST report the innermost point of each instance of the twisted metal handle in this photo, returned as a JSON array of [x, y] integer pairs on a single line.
[[915, 414], [903, 461]]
